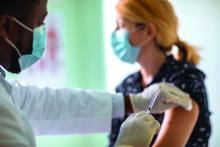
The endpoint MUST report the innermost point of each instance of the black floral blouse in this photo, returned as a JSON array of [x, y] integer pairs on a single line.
[[185, 76]]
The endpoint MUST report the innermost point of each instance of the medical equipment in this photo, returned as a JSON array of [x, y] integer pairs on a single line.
[[150, 106], [167, 96]]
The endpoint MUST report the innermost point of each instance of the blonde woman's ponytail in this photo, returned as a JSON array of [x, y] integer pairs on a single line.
[[187, 52]]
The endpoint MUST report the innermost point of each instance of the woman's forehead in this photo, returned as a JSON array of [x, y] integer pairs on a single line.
[[124, 20]]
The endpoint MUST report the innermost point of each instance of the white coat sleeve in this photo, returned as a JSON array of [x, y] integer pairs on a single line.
[[63, 111]]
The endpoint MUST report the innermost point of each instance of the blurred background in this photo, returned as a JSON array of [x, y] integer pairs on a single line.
[[79, 55]]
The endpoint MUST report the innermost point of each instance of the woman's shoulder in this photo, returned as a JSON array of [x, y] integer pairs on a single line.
[[131, 83], [184, 71]]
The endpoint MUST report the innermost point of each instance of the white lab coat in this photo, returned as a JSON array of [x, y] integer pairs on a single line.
[[63, 111], [50, 111]]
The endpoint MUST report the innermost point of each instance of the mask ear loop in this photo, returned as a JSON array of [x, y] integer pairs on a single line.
[[10, 42], [14, 46], [22, 25], [139, 26]]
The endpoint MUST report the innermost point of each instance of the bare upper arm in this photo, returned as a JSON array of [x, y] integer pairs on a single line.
[[177, 127]]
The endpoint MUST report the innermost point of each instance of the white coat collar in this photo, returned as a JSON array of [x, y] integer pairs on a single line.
[[2, 72], [4, 83]]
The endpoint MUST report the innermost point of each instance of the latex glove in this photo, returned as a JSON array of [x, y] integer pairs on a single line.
[[137, 130], [168, 96]]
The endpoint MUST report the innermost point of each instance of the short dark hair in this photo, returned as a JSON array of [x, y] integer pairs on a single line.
[[16, 7]]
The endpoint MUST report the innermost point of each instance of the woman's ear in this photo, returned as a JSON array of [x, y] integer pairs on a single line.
[[151, 31]]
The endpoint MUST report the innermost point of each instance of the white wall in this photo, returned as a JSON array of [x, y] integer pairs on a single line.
[[199, 25]]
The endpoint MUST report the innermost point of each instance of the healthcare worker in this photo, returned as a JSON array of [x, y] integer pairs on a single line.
[[57, 111]]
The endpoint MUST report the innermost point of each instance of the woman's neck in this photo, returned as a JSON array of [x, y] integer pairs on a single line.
[[150, 61]]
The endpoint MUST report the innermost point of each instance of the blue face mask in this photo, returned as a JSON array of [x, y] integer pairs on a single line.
[[123, 48], [38, 46]]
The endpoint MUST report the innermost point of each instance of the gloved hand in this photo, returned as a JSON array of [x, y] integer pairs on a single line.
[[137, 130], [167, 96]]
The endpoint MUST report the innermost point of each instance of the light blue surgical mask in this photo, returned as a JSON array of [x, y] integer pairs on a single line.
[[38, 46], [122, 47]]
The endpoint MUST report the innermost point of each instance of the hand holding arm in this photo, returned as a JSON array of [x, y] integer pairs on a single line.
[[168, 96]]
